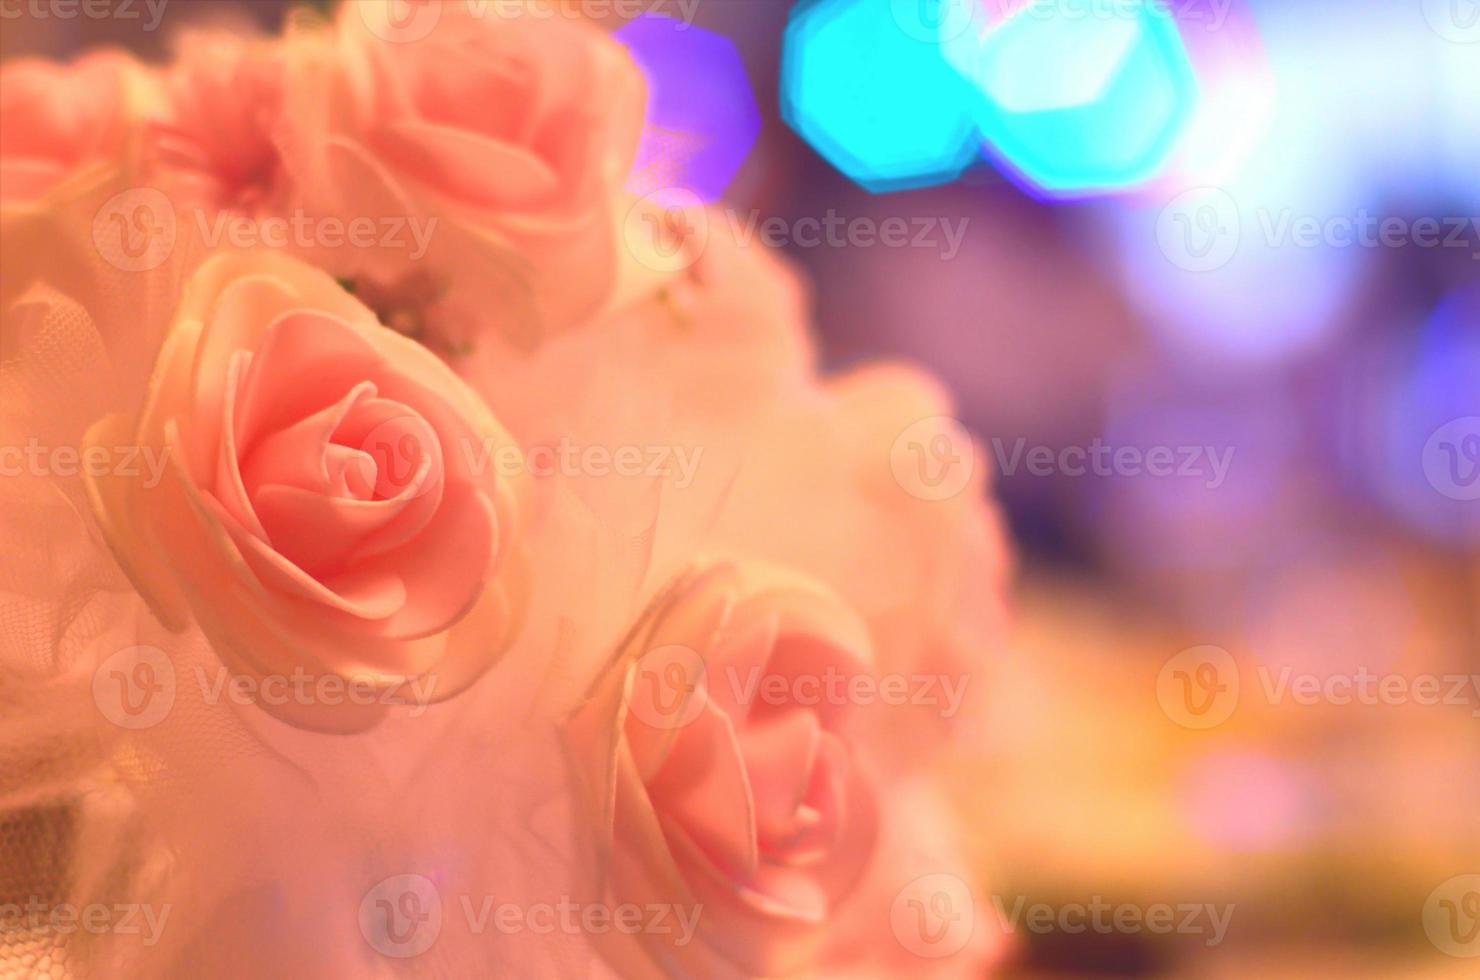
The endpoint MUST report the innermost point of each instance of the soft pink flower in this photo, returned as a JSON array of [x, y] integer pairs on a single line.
[[328, 508], [219, 126], [513, 131], [732, 790], [321, 511], [57, 119]]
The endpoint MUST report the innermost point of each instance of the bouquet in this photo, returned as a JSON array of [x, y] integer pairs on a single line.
[[424, 557]]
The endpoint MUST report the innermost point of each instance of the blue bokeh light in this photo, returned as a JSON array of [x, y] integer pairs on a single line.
[[702, 118], [871, 91], [1078, 97], [1425, 424]]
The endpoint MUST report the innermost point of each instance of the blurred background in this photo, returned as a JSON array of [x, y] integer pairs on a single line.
[[1205, 280]]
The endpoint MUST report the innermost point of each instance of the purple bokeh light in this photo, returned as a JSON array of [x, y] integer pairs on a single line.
[[702, 117]]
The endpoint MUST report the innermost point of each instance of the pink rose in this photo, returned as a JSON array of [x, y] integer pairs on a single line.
[[513, 131], [734, 791], [321, 512], [57, 119]]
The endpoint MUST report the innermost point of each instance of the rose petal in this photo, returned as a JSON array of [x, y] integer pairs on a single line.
[[457, 163], [245, 308], [444, 568], [307, 361], [369, 595], [318, 532], [780, 756], [228, 486], [704, 788]]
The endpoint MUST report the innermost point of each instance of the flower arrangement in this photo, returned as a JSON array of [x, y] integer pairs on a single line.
[[410, 570]]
